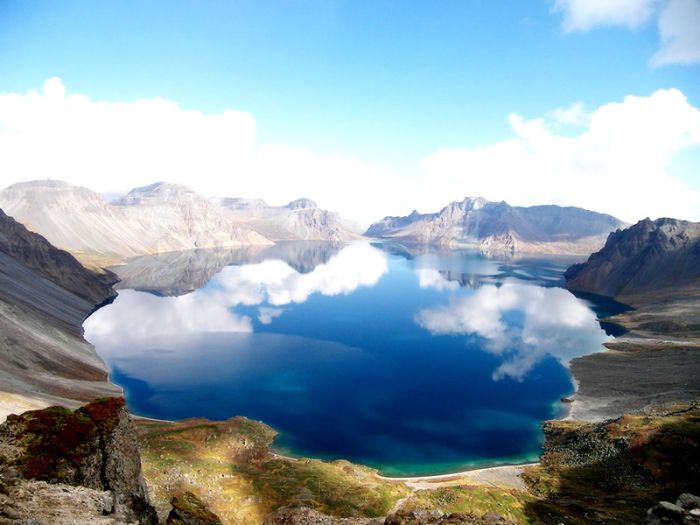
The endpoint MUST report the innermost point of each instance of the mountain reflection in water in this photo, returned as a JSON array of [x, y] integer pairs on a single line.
[[412, 362]]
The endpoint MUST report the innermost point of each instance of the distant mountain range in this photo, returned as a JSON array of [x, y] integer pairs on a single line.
[[159, 218], [649, 258], [165, 217], [496, 227], [301, 219]]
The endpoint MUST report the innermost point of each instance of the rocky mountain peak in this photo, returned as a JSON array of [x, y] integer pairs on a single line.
[[645, 258], [301, 204], [48, 193], [237, 203], [156, 193]]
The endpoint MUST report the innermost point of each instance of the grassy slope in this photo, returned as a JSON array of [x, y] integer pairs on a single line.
[[229, 466], [607, 472]]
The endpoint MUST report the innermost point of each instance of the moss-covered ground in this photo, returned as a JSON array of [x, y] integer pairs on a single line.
[[230, 466]]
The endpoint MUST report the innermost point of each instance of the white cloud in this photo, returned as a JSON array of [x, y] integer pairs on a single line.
[[617, 162], [108, 146], [583, 15], [555, 324], [573, 115], [677, 21], [679, 30]]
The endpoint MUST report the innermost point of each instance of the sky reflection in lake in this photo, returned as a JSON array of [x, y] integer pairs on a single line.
[[414, 363]]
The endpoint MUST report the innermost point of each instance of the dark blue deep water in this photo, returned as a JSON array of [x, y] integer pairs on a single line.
[[415, 363]]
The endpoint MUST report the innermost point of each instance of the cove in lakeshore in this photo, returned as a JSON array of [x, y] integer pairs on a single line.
[[415, 363]]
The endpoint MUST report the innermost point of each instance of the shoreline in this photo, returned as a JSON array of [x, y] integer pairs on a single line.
[[461, 473]]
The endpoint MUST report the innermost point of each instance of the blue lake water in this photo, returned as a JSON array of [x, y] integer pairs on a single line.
[[414, 363]]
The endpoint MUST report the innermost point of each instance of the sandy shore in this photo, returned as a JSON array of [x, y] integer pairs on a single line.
[[502, 476]]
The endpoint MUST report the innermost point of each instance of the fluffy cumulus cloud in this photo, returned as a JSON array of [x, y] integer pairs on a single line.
[[115, 146], [614, 159], [554, 323], [677, 21]]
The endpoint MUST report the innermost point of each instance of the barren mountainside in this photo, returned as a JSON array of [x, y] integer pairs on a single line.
[[45, 295], [498, 227], [649, 257], [158, 218], [301, 219]]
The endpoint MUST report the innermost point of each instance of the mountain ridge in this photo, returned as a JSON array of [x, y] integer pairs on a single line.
[[489, 226], [300, 219], [650, 257]]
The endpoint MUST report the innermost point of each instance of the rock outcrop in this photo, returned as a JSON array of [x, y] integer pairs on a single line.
[[685, 511], [497, 227], [45, 295], [93, 449], [158, 218], [651, 257], [612, 471], [188, 509], [301, 219]]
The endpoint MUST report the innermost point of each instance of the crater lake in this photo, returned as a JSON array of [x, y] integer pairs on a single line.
[[415, 362]]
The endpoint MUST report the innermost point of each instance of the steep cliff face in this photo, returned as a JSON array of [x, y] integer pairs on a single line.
[[45, 295], [301, 219], [93, 448], [181, 219], [37, 254], [499, 227], [649, 257]]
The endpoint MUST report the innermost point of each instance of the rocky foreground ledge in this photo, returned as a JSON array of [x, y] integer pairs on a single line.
[[61, 466]]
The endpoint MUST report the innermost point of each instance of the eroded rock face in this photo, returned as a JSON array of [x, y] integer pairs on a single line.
[[649, 257], [497, 227], [158, 218], [93, 447], [188, 509], [36, 253]]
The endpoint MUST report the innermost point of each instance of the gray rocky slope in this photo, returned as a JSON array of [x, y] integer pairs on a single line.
[[45, 294], [301, 219], [651, 257], [497, 227]]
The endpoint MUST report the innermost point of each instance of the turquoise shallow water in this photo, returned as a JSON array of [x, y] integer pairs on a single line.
[[413, 363]]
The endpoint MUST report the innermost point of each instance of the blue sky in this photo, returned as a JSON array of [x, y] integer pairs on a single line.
[[385, 84]]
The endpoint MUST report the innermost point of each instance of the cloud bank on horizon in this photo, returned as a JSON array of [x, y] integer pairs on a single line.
[[615, 158]]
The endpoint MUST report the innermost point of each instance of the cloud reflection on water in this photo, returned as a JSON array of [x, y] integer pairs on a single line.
[[138, 315], [522, 323]]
